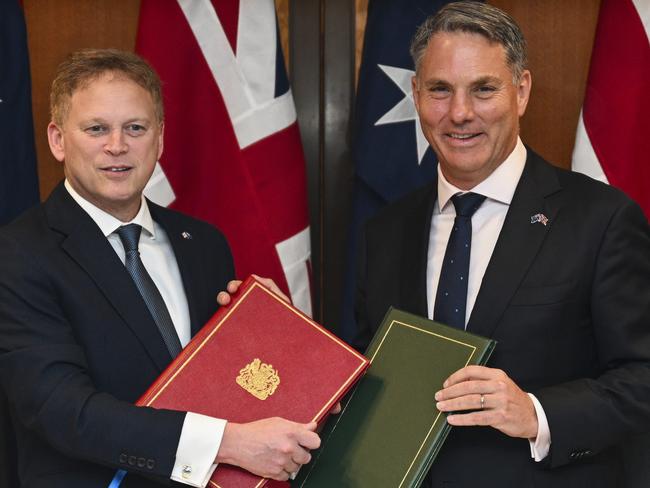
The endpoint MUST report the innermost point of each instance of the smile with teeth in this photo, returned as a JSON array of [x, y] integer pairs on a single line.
[[117, 169], [463, 136]]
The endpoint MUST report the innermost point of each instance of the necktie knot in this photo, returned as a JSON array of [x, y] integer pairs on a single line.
[[467, 203], [130, 236]]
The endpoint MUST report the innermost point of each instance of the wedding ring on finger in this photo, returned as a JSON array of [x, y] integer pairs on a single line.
[[482, 401]]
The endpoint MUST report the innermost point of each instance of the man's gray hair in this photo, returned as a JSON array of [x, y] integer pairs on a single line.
[[476, 18]]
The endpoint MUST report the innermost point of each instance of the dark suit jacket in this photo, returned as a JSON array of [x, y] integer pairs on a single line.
[[569, 305], [78, 345]]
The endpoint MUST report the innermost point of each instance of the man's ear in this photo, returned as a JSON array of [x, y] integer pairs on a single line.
[[55, 139], [161, 139], [523, 91], [415, 92]]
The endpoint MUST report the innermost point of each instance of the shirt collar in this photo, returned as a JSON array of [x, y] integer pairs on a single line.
[[499, 186], [108, 223]]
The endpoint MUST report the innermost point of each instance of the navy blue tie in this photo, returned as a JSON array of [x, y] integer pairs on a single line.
[[451, 297], [130, 237]]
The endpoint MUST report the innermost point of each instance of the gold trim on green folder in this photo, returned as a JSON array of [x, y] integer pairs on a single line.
[[388, 331], [351, 455], [426, 332]]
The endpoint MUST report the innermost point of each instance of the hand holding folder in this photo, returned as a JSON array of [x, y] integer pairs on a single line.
[[389, 431], [258, 357]]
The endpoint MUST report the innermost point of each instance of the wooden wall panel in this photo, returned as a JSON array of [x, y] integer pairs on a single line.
[[560, 36], [282, 10], [361, 17], [322, 75], [337, 181], [306, 74], [55, 28]]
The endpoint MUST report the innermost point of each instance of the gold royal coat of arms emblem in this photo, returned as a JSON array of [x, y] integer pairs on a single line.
[[258, 379]]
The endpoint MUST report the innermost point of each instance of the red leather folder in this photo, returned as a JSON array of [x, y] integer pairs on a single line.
[[256, 344]]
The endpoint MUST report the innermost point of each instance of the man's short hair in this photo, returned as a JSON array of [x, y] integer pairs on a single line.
[[475, 18], [86, 65]]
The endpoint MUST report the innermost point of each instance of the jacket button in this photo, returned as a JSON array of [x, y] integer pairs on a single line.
[[132, 460], [588, 452], [150, 463], [141, 462], [573, 455], [123, 458]]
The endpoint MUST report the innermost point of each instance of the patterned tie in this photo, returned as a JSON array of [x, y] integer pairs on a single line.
[[451, 297], [130, 236]]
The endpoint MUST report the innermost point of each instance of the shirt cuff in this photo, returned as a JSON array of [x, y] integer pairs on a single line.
[[540, 445], [197, 449]]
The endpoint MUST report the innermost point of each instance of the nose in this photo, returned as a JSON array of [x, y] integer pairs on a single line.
[[116, 143], [461, 109]]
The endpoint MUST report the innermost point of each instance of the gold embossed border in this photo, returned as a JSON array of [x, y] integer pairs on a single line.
[[472, 351]]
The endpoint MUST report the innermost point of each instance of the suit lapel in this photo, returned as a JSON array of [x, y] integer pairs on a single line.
[[88, 247], [189, 263], [517, 245], [413, 269]]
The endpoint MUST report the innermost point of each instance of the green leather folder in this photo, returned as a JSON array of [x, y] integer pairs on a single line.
[[389, 431]]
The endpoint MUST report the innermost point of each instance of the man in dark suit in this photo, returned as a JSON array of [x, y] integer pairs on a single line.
[[100, 288], [556, 270]]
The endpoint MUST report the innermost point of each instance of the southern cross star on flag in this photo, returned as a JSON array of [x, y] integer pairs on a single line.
[[391, 155], [232, 154], [611, 144]]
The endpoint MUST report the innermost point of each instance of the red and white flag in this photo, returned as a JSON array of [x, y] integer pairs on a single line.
[[232, 154], [611, 143]]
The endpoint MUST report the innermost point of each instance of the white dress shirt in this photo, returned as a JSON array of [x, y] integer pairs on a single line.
[[201, 435], [487, 221]]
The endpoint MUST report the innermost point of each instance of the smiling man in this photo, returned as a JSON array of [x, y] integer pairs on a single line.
[[469, 102], [100, 289], [109, 136], [552, 265]]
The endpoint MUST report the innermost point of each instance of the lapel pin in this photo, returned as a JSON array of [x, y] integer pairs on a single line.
[[540, 217], [188, 236]]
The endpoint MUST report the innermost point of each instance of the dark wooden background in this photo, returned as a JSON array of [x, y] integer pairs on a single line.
[[322, 41]]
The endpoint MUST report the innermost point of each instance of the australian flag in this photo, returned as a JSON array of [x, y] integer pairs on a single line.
[[18, 179], [391, 155]]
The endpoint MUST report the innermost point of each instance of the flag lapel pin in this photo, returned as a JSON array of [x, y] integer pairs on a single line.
[[186, 235], [540, 217]]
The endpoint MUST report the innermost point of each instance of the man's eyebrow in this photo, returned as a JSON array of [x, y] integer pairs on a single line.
[[101, 120], [435, 82], [92, 121], [483, 80], [142, 120], [487, 80]]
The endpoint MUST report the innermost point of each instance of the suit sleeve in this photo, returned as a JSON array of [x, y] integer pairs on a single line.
[[587, 415], [45, 374]]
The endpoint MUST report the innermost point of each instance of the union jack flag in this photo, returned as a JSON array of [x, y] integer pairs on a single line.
[[232, 155]]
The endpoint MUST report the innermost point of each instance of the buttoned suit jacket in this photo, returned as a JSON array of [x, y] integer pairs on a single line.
[[78, 346], [568, 303]]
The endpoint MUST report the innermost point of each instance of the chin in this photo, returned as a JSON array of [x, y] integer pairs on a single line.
[[120, 198], [465, 164]]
